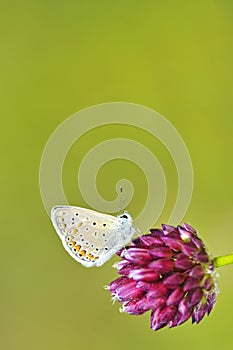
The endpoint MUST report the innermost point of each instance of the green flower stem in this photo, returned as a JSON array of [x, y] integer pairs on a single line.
[[223, 260]]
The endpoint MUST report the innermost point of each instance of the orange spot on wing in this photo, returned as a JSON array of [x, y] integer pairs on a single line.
[[74, 230], [83, 252], [90, 256]]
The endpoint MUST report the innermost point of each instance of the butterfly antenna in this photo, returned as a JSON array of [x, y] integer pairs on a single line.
[[121, 199]]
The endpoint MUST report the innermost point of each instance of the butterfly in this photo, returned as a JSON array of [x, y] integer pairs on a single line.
[[90, 237]]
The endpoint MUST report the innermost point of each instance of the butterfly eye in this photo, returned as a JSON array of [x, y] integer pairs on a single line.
[[124, 216]]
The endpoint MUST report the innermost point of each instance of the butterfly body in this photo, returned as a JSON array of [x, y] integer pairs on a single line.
[[90, 237]]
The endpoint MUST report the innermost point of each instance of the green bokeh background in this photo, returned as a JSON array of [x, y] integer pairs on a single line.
[[58, 57]]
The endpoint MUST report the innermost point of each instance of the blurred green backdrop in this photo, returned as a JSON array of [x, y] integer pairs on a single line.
[[58, 57]]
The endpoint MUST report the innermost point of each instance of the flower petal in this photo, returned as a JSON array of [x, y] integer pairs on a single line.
[[189, 249], [136, 255], [129, 291], [189, 228], [199, 313], [191, 283], [144, 274], [162, 265], [150, 241], [194, 296], [173, 243], [117, 283], [197, 271], [174, 280], [134, 307], [183, 263], [157, 289], [208, 283], [185, 235], [166, 314], [168, 229], [161, 252], [175, 296], [161, 317]]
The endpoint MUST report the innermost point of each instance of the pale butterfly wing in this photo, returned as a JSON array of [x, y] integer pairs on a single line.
[[91, 238]]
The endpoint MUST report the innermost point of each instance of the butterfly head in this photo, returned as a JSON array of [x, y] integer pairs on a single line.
[[126, 217]]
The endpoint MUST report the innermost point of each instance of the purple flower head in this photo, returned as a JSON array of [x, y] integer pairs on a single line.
[[168, 272]]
